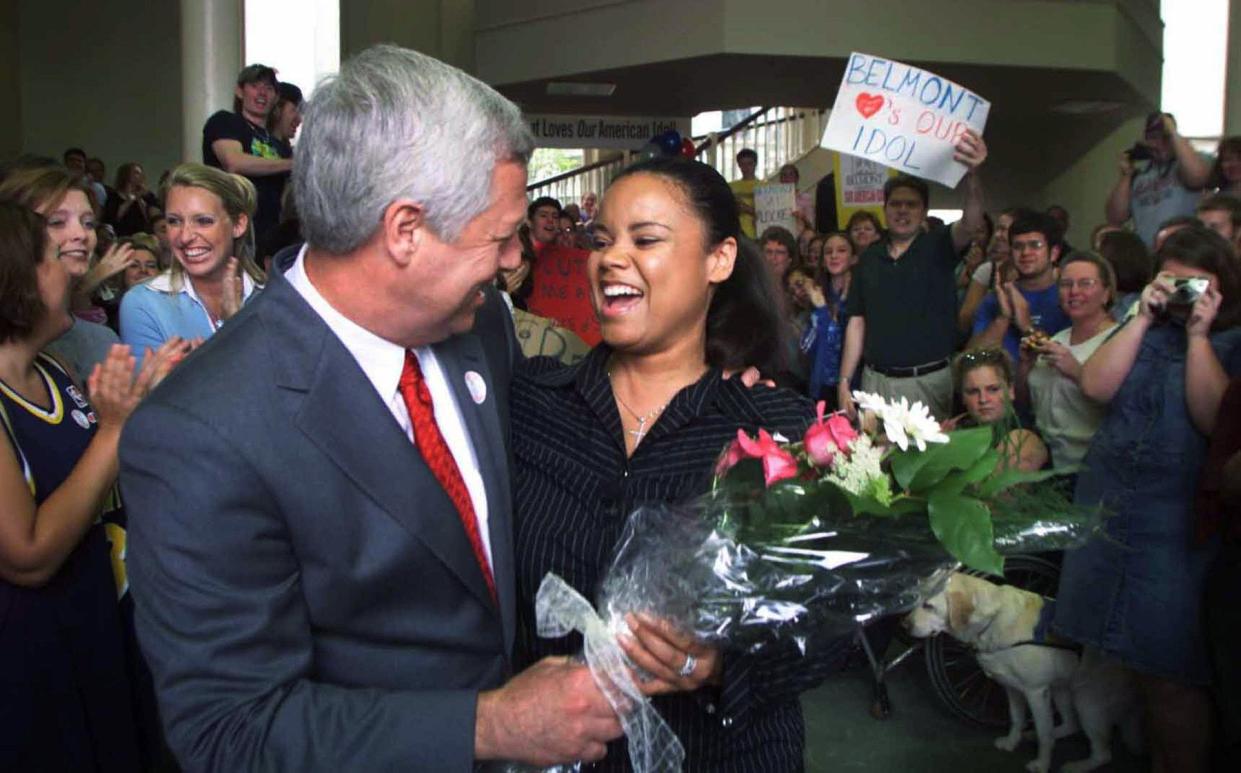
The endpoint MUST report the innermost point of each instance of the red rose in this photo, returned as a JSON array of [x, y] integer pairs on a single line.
[[825, 439], [778, 464]]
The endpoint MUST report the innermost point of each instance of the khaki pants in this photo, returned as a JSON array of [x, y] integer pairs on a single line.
[[934, 390]]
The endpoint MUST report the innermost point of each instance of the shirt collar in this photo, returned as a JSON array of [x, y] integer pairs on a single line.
[[380, 359], [163, 283]]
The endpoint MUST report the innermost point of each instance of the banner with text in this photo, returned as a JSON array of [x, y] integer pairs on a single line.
[[774, 205], [903, 117], [601, 131], [859, 185]]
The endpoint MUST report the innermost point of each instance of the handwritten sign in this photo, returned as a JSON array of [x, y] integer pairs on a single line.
[[774, 205], [562, 291], [601, 131], [903, 117], [859, 186]]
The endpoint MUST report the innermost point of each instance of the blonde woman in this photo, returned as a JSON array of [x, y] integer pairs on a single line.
[[213, 272]]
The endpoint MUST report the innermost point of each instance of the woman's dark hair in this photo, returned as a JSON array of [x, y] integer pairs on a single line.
[[23, 238], [1130, 259], [1227, 145], [1199, 247], [743, 321]]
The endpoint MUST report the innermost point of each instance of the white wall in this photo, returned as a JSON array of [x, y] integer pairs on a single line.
[[105, 76]]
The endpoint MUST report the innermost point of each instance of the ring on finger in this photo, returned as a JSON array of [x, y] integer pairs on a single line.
[[690, 664]]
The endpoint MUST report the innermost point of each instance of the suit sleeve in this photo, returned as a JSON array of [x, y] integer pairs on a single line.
[[221, 618]]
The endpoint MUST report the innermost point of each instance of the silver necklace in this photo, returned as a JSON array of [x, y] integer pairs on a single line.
[[642, 419]]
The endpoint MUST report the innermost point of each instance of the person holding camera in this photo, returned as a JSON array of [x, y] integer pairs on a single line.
[[1168, 186], [1135, 591]]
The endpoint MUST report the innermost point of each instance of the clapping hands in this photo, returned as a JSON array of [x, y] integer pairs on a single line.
[[114, 389]]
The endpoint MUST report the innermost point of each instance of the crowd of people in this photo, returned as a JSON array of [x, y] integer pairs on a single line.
[[334, 515]]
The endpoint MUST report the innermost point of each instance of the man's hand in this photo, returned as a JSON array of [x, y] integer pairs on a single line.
[[549, 714], [970, 150], [1020, 307]]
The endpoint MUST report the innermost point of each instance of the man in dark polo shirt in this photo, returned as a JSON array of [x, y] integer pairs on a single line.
[[902, 303], [239, 142]]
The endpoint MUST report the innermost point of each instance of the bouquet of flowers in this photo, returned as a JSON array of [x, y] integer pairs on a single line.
[[811, 537]]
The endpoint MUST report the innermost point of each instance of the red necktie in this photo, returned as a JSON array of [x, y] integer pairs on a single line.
[[438, 457]]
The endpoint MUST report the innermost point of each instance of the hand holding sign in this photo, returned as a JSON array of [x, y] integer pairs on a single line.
[[907, 118], [970, 150]]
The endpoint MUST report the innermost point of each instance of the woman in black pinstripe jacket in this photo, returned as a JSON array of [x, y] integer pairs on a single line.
[[641, 420]]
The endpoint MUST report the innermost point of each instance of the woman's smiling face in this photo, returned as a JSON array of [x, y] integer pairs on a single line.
[[651, 272], [71, 228]]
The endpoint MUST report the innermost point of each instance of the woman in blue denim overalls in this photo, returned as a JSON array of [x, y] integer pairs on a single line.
[[1135, 592]]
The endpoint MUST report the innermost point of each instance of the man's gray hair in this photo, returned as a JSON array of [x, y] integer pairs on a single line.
[[396, 124]]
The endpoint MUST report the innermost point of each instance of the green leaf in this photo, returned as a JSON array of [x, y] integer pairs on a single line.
[[963, 525], [956, 481], [963, 449], [867, 505], [1011, 477]]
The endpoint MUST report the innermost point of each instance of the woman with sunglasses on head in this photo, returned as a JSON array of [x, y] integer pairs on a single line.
[[984, 383], [1135, 591], [1051, 368]]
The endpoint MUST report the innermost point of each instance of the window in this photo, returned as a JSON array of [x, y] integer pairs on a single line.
[[300, 38], [1195, 47]]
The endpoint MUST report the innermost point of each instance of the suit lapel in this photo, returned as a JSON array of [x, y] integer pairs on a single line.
[[463, 362], [334, 404]]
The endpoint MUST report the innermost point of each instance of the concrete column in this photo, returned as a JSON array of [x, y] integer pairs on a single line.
[[1232, 84], [211, 50]]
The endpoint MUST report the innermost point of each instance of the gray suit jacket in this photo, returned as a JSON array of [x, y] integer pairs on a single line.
[[306, 595]]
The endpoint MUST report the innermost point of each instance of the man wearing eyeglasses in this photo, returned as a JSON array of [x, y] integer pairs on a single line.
[[1031, 301]]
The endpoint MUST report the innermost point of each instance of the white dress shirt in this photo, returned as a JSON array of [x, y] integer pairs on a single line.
[[382, 361]]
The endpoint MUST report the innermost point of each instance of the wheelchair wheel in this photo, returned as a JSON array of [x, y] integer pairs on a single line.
[[955, 675]]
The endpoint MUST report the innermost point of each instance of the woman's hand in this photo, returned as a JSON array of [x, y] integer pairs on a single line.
[[1155, 297], [844, 399], [1203, 312], [230, 298], [159, 363], [111, 386], [663, 652], [1061, 358], [115, 260], [815, 294]]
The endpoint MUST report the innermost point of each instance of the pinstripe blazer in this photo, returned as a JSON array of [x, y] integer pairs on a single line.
[[573, 489]]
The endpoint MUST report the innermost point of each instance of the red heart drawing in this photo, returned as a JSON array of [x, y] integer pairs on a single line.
[[868, 104]]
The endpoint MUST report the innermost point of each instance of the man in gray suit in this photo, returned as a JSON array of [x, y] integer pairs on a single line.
[[309, 595]]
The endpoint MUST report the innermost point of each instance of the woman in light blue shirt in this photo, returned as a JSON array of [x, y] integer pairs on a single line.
[[213, 272]]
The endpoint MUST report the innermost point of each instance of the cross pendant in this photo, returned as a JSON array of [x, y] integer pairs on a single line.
[[639, 432]]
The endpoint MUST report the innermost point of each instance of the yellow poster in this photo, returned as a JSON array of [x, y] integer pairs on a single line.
[[859, 185]]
